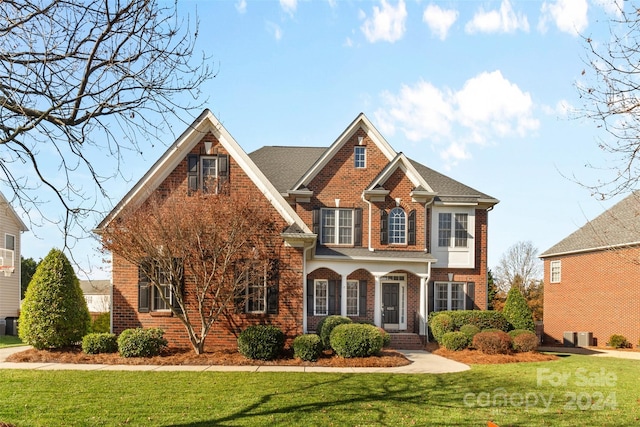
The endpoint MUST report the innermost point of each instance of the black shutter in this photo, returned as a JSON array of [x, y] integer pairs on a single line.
[[192, 172], [431, 299], [315, 219], [362, 294], [471, 296], [334, 296], [178, 284], [357, 227], [411, 238], [384, 224], [144, 288], [223, 173], [309, 297], [273, 287]]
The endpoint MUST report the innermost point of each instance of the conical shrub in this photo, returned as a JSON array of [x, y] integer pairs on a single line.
[[54, 313], [517, 312]]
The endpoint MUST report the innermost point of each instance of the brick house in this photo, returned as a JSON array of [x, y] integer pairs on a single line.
[[592, 278], [366, 231]]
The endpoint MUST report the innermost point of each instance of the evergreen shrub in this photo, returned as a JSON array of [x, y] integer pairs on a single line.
[[141, 342], [261, 342], [95, 343], [307, 347], [356, 340]]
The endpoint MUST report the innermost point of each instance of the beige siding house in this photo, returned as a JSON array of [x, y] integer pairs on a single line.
[[11, 228]]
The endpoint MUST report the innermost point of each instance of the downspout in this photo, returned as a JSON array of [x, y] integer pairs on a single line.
[[427, 226], [304, 288], [369, 233]]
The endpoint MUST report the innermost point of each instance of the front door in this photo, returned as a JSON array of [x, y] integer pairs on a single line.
[[390, 302]]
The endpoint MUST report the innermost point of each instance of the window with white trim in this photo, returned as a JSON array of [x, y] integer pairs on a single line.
[[397, 226], [256, 293], [353, 298], [163, 289], [209, 173], [555, 271], [360, 157], [453, 229], [448, 296], [337, 226], [320, 297]]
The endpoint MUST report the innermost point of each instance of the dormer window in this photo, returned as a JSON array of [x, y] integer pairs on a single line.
[[360, 157]]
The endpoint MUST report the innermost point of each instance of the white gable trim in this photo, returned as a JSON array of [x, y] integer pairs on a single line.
[[402, 162], [21, 225], [360, 122], [204, 124]]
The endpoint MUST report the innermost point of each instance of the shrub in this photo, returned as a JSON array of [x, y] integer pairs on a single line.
[[102, 323], [498, 342], [440, 325], [356, 340], [527, 341], [516, 332], [386, 338], [470, 331], [326, 325], [307, 347], [455, 341], [99, 343], [517, 311], [618, 341], [261, 342], [141, 342], [54, 313], [481, 319]]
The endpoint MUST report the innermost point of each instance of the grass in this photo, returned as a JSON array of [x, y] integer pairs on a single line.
[[9, 341], [572, 391]]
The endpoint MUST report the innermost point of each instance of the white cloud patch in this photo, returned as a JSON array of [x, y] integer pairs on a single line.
[[487, 107], [241, 6], [274, 30], [569, 16], [439, 20], [612, 7], [289, 6], [387, 22], [504, 20]]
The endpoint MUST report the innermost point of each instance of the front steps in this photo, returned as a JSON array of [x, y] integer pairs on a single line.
[[405, 341]]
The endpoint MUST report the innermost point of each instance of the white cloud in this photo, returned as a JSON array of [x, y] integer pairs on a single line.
[[562, 110], [387, 22], [504, 20], [570, 16], [612, 7], [439, 20], [241, 6], [487, 107], [274, 30], [289, 6]]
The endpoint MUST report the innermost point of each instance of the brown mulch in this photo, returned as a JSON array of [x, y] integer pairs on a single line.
[[475, 357]]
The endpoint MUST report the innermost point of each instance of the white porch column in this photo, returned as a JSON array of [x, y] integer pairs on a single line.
[[423, 303], [377, 301], [343, 297]]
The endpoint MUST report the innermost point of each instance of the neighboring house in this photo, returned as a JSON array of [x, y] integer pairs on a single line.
[[592, 278], [11, 227], [97, 294], [368, 232]]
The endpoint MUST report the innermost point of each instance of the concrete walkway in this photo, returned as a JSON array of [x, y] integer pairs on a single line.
[[594, 351], [422, 363]]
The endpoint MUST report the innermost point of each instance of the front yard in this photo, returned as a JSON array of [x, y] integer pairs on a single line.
[[571, 391]]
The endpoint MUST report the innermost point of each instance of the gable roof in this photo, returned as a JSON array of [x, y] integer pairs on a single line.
[[12, 213], [618, 226], [283, 166], [402, 162], [177, 152]]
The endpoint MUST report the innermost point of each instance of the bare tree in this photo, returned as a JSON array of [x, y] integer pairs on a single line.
[[518, 266], [610, 91], [81, 80], [204, 261]]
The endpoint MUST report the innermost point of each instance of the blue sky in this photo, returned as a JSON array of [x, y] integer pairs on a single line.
[[481, 91]]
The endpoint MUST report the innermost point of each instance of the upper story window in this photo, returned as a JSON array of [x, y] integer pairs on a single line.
[[453, 229], [360, 156], [397, 226], [337, 226], [207, 173], [556, 271], [10, 242]]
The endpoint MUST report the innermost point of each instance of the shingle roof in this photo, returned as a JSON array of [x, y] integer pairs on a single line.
[[617, 226], [364, 253], [447, 188], [283, 166]]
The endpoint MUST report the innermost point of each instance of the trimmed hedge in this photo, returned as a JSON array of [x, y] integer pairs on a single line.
[[483, 319], [307, 347], [618, 341], [441, 325], [102, 323], [261, 342], [455, 341], [326, 325], [517, 332], [470, 331], [498, 342], [356, 340], [140, 342], [525, 342], [99, 343], [517, 311]]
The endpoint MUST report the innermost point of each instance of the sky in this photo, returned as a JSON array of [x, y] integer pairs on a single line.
[[484, 92]]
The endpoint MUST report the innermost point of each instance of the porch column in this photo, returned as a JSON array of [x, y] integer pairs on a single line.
[[422, 317], [343, 298], [377, 302]]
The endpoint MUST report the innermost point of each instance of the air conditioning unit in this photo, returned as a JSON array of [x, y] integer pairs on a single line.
[[569, 339], [585, 339]]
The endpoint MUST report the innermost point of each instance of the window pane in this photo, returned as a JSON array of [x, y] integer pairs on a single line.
[[352, 298], [441, 296], [444, 229], [461, 230], [256, 289], [360, 157], [209, 174], [10, 242], [457, 296], [346, 226], [556, 270], [328, 226], [321, 297], [397, 226]]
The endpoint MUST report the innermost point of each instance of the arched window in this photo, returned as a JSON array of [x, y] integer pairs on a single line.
[[397, 226]]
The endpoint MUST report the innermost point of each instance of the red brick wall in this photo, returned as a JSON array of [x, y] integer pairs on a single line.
[[599, 292], [224, 333]]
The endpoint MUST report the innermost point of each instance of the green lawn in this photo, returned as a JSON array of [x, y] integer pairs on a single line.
[[573, 391], [9, 341]]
